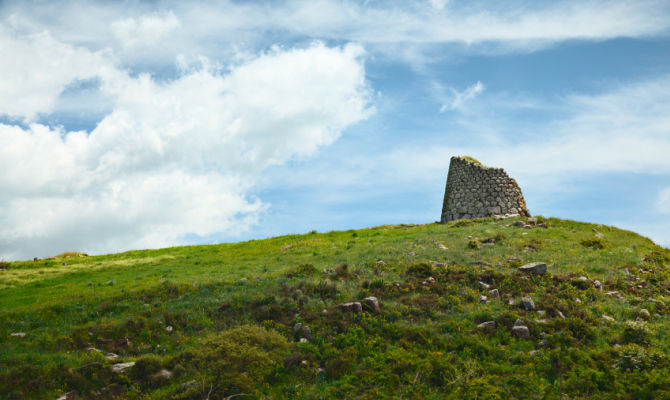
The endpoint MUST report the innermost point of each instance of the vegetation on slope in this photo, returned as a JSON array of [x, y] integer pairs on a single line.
[[260, 319]]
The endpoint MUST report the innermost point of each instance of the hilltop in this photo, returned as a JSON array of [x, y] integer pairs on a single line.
[[399, 311]]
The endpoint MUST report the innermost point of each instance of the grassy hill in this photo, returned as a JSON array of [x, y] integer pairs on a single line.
[[260, 319]]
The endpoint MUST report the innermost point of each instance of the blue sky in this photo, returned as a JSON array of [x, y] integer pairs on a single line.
[[149, 124]]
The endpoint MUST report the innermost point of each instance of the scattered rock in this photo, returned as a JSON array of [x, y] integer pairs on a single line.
[[482, 299], [73, 394], [111, 356], [123, 343], [438, 264], [560, 314], [19, 335], [381, 262], [352, 306], [521, 331], [542, 225], [169, 328], [644, 314], [615, 294], [484, 285], [286, 247], [527, 303], [582, 279], [118, 368], [411, 254], [441, 246], [534, 353], [494, 293], [519, 322], [527, 227], [598, 234], [518, 223], [163, 374], [534, 268], [541, 313], [487, 325], [511, 302], [303, 340], [578, 300], [608, 318], [531, 221], [530, 249], [598, 285], [513, 260], [373, 303], [93, 350]]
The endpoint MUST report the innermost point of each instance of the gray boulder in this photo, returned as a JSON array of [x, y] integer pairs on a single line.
[[534, 268], [521, 332], [527, 303]]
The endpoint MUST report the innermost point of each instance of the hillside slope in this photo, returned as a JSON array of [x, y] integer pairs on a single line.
[[263, 319]]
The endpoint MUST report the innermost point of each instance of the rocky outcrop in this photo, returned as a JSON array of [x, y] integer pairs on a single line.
[[476, 191]]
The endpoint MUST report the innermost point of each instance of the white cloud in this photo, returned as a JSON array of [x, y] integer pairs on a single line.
[[456, 100], [175, 157], [145, 30], [37, 68]]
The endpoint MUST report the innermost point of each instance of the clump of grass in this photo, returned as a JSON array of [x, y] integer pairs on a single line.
[[595, 243], [472, 160], [301, 271], [636, 332], [460, 223], [474, 244], [658, 257], [342, 271], [71, 254], [420, 271]]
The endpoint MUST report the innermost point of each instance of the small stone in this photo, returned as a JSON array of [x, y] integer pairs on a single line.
[[430, 279], [441, 246], [411, 254], [304, 363], [608, 318], [531, 221], [598, 285], [598, 234], [521, 332], [163, 374], [303, 340], [352, 306], [93, 350], [297, 327], [560, 314], [494, 293], [73, 394], [644, 314], [527, 227], [534, 268], [487, 325], [373, 303], [381, 262], [111, 356], [582, 279], [169, 328], [482, 299], [519, 322], [484, 285], [578, 300], [511, 302], [527, 303], [542, 225], [118, 368], [19, 335], [518, 223], [541, 313], [534, 353]]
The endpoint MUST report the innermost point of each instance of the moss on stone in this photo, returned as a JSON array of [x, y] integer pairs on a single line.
[[472, 160]]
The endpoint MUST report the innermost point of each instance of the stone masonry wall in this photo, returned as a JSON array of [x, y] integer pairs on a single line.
[[475, 191]]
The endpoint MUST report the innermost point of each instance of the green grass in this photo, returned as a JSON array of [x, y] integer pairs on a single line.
[[231, 309]]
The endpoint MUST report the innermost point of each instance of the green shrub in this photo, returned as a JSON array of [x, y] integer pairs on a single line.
[[596, 243], [636, 332], [301, 271], [419, 270], [635, 357], [236, 361], [473, 244]]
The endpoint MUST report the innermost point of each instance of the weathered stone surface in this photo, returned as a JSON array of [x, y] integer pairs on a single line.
[[527, 303], [19, 335], [534, 268], [521, 332], [494, 293], [487, 325], [475, 191], [118, 368], [373, 303], [352, 306]]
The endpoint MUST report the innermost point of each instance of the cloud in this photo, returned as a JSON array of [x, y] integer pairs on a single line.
[[174, 157], [458, 99], [145, 30]]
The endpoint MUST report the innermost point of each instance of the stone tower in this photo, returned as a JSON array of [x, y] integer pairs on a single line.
[[475, 191]]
